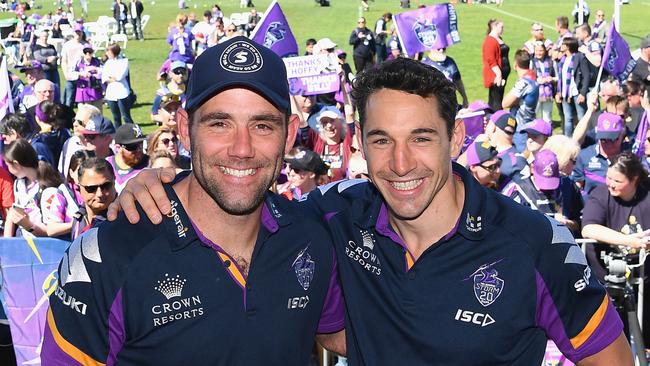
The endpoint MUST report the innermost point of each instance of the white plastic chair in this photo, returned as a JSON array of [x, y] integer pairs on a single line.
[[99, 41], [120, 38], [145, 21]]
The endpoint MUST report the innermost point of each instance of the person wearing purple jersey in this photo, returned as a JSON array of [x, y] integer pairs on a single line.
[[129, 156], [181, 41]]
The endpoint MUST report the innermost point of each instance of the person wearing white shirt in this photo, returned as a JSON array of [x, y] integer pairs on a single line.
[[114, 75], [71, 53]]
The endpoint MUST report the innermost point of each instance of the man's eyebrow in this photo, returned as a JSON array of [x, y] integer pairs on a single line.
[[424, 130], [270, 117], [376, 133]]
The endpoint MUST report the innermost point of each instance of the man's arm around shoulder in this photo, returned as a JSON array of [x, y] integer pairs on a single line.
[[617, 353]]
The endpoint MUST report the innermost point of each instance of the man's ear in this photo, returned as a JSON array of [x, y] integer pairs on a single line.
[[358, 135], [457, 137], [292, 131], [183, 123]]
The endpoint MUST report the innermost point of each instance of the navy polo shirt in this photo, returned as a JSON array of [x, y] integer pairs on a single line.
[[165, 295], [512, 162], [490, 292], [591, 168]]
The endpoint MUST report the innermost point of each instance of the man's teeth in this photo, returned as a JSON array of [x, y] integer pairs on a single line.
[[237, 172], [405, 186]]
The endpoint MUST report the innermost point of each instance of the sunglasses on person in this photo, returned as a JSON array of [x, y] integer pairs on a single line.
[[93, 188], [133, 147], [179, 71], [491, 168], [166, 141], [538, 29], [91, 137], [230, 30]]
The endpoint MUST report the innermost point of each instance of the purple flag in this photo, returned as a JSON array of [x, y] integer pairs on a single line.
[[473, 126], [639, 141], [29, 277], [434, 26], [274, 33], [617, 59]]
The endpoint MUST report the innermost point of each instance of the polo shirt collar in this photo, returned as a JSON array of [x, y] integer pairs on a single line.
[[275, 214], [470, 223]]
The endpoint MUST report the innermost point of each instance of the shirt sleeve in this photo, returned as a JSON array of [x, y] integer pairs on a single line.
[[578, 174], [573, 308], [332, 317], [84, 324], [53, 206], [6, 189], [595, 211], [519, 89]]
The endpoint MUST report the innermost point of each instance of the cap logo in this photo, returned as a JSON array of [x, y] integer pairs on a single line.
[[606, 124], [300, 155], [548, 170], [90, 126], [241, 57], [512, 122], [486, 144], [137, 131]]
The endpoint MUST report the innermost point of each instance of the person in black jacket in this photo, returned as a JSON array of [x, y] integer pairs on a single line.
[[574, 82], [136, 8], [121, 15], [363, 44]]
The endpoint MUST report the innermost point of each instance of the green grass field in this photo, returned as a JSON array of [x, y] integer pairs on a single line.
[[308, 20]]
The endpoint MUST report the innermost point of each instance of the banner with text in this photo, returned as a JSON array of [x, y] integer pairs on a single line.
[[311, 75]]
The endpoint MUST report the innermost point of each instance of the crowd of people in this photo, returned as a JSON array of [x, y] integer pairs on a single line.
[[65, 162]]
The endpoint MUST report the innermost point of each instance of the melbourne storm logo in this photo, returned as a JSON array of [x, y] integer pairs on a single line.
[[274, 34], [487, 285], [426, 32], [304, 268], [611, 60]]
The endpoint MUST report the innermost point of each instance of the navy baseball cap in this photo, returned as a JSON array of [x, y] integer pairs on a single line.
[[99, 125], [505, 121], [479, 152], [238, 62]]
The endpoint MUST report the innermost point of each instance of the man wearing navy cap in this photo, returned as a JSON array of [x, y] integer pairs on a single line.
[[483, 163], [97, 135], [592, 162], [129, 158], [500, 130], [434, 267], [234, 276]]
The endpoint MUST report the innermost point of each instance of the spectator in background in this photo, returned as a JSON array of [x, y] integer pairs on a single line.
[[589, 47], [309, 46], [98, 135], [540, 190], [382, 31], [334, 142], [253, 19], [483, 163], [72, 175], [6, 195], [592, 163], [545, 77], [51, 117], [97, 188], [121, 15], [202, 32], [46, 54], [306, 171], [118, 91], [26, 214], [536, 133], [496, 64], [599, 29], [522, 99], [562, 28], [85, 113], [500, 130], [574, 78], [162, 159], [135, 9], [537, 32], [566, 149], [71, 54], [181, 41], [27, 98], [362, 41], [88, 89], [641, 71], [15, 126], [129, 156], [438, 58], [585, 13], [172, 91], [166, 139]]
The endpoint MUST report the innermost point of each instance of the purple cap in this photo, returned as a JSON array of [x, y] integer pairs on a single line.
[[538, 127], [505, 121], [546, 170], [609, 126], [78, 27], [31, 65], [479, 105], [479, 152]]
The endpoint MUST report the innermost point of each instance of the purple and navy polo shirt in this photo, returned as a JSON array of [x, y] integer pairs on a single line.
[[591, 168], [166, 295], [490, 292]]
